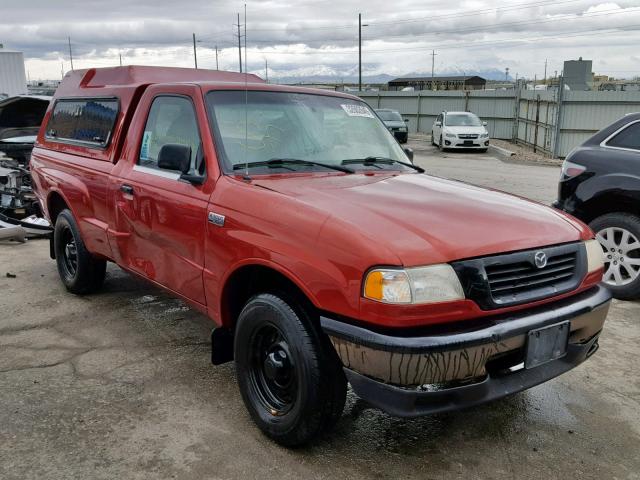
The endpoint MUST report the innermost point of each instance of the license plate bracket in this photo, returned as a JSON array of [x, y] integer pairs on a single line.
[[468, 142], [546, 344]]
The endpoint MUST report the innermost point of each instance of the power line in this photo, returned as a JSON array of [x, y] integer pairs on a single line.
[[613, 11], [516, 6], [458, 45]]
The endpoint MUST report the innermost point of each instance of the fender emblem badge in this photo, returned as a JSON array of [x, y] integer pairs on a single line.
[[216, 219]]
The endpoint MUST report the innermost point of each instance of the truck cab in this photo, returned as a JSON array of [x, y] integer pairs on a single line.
[[323, 256]]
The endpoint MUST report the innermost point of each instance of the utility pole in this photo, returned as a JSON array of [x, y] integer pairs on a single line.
[[62, 70], [506, 74], [70, 53], [120, 55], [266, 71], [195, 53], [359, 52], [239, 45], [360, 25], [545, 71], [433, 65], [217, 57]]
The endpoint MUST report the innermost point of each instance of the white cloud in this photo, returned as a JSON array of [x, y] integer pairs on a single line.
[[320, 37]]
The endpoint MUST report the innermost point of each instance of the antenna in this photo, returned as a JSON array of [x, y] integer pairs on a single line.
[[246, 102]]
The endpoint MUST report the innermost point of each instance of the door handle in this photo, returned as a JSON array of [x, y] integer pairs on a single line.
[[128, 189]]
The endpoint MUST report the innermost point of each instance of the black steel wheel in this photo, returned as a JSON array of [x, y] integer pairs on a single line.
[[79, 270], [290, 378], [273, 371]]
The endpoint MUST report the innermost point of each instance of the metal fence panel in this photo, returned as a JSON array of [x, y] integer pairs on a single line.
[[526, 116]]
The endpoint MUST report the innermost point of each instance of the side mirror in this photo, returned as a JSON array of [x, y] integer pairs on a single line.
[[175, 157], [406, 120], [409, 153], [484, 124], [438, 124]]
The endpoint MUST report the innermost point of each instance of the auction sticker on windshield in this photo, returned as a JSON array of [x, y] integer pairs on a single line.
[[357, 111]]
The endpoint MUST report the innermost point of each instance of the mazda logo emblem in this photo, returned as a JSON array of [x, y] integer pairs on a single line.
[[540, 259]]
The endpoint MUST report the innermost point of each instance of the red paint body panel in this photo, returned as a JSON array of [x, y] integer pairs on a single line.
[[323, 231]]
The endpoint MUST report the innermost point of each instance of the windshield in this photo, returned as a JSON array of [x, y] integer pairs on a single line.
[[462, 120], [389, 116], [283, 125]]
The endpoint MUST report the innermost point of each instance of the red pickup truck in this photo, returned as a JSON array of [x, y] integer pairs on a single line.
[[295, 221]]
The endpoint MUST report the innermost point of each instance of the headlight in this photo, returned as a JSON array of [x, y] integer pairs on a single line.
[[450, 135], [484, 135], [435, 283], [595, 255]]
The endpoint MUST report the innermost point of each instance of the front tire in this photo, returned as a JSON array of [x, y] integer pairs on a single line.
[[79, 270], [290, 378], [441, 145], [619, 236]]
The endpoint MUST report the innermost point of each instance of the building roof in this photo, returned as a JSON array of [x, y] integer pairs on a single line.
[[453, 78]]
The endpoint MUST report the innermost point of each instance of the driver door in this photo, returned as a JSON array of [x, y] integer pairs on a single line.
[[160, 219]]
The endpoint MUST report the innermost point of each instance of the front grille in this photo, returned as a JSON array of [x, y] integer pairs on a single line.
[[514, 278], [471, 136]]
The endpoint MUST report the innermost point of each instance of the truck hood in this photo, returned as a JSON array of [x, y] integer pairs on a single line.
[[424, 219]]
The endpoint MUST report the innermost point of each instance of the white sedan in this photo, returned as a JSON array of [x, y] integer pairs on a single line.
[[459, 130]]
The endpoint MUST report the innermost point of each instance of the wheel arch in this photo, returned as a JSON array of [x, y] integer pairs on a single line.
[[56, 203], [608, 202], [256, 277]]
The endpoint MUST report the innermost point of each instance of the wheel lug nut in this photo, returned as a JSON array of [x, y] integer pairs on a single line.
[[613, 249], [615, 263]]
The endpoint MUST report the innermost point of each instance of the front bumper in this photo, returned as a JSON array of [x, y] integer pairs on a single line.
[[461, 143], [401, 136], [461, 366]]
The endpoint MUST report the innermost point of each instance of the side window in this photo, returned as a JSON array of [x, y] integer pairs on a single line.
[[627, 138], [172, 120], [89, 121]]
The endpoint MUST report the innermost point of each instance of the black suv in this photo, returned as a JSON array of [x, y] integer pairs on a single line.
[[600, 185]]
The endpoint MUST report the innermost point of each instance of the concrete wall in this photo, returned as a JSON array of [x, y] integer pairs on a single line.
[[12, 77]]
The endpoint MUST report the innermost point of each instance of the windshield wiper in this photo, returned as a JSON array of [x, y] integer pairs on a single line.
[[381, 160], [283, 162]]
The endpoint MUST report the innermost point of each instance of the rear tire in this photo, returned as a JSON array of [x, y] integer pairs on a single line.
[[619, 235], [79, 270], [290, 378]]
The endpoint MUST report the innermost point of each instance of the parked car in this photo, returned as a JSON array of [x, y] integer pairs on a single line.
[[320, 253], [459, 130], [600, 184], [394, 122]]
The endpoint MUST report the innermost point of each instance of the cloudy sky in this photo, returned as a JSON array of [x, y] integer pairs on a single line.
[[320, 37]]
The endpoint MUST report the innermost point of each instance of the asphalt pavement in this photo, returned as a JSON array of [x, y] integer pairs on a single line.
[[119, 385]]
